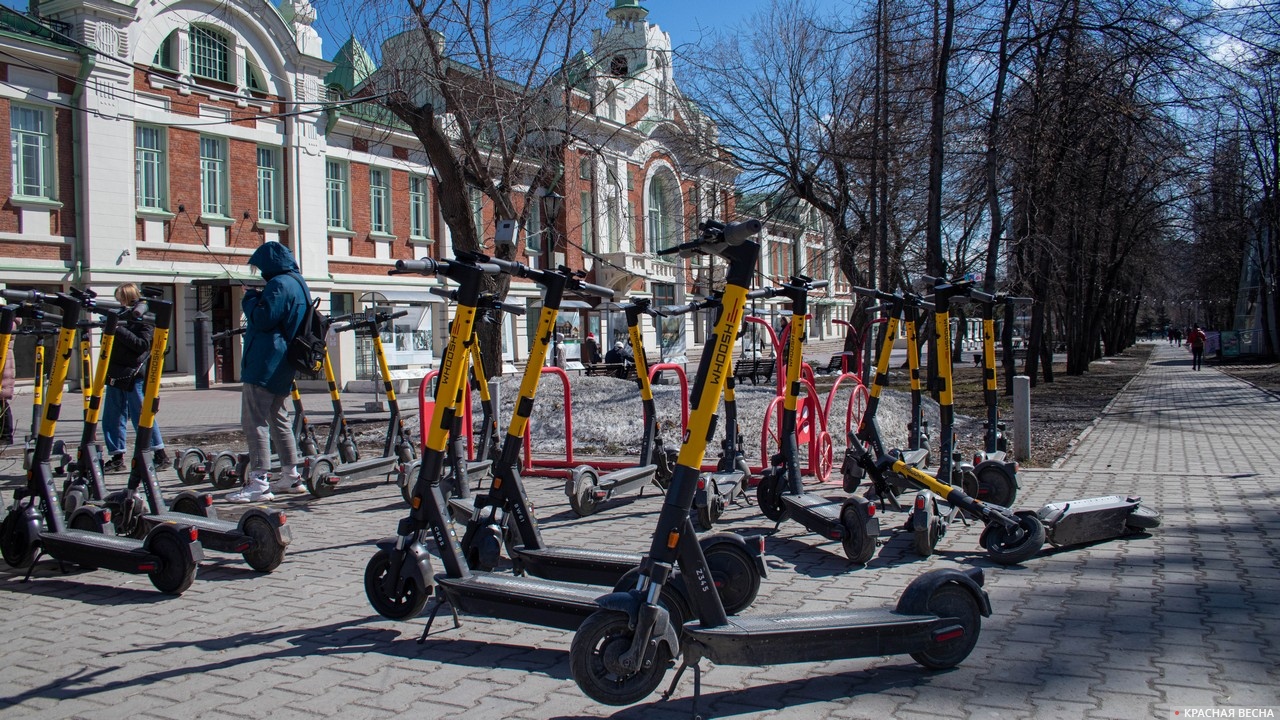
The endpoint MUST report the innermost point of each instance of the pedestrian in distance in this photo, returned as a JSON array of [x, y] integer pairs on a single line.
[[1196, 339], [590, 350], [617, 356], [6, 397], [273, 315], [126, 375]]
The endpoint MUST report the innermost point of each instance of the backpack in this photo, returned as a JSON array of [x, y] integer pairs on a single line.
[[307, 347]]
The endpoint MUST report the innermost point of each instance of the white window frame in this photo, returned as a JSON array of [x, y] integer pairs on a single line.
[[215, 187], [40, 140], [337, 190], [270, 187], [215, 62], [151, 167], [379, 201], [419, 207]]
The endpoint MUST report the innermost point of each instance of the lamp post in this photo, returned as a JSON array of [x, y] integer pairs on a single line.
[[552, 204]]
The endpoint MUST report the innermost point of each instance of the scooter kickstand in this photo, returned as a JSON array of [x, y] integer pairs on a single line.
[[697, 686], [32, 568], [440, 602]]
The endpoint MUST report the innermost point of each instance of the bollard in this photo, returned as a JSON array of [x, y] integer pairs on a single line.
[[1021, 417], [201, 341]]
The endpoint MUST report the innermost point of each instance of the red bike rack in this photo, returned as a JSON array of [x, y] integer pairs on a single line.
[[426, 406]]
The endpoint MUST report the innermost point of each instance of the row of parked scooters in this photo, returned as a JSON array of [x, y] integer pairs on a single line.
[[635, 615]]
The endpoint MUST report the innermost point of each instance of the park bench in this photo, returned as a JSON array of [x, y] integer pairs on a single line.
[[758, 370]]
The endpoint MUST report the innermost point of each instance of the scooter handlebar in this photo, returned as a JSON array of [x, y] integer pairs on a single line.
[[425, 266], [716, 233], [216, 337], [30, 296], [589, 289]]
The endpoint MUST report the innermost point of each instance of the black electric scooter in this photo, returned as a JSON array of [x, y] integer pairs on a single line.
[[169, 554], [260, 535], [621, 652], [780, 493], [323, 473], [399, 576], [504, 515], [587, 487]]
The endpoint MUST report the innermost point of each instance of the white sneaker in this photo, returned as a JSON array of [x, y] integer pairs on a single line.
[[255, 490], [289, 485]]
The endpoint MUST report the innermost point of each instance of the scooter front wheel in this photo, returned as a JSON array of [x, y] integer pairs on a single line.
[[15, 542], [996, 485], [177, 571], [407, 479], [222, 471], [952, 601], [709, 513], [392, 603], [768, 495], [582, 491], [594, 657], [926, 528], [1010, 546], [1142, 519], [267, 551], [186, 466]]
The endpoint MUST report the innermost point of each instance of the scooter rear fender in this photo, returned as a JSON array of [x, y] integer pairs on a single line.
[[750, 545], [183, 533], [629, 602], [915, 598], [274, 518], [417, 561]]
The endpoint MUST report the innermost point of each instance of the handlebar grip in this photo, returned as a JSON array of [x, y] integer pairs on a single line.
[[425, 266], [510, 267], [510, 309], [226, 334], [819, 284], [981, 296], [1020, 300], [23, 296], [342, 328], [758, 293], [398, 313], [596, 290], [443, 292], [335, 319]]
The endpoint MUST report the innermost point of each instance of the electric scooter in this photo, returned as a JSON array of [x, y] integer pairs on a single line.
[[504, 515], [780, 493], [586, 486], [1008, 537], [399, 577], [260, 535], [34, 526], [323, 473], [621, 652], [997, 476]]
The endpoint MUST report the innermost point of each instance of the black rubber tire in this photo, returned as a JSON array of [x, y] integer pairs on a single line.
[[187, 505], [177, 571], [768, 495], [409, 482], [704, 517], [407, 604], [601, 637], [307, 445], [73, 498], [997, 486], [582, 499], [220, 472], [186, 461], [1007, 547], [924, 534], [317, 479], [735, 576], [18, 552], [857, 546], [950, 600], [267, 552], [1142, 519], [673, 596], [347, 451]]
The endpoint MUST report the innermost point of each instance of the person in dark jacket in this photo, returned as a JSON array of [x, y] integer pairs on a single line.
[[122, 398], [273, 316]]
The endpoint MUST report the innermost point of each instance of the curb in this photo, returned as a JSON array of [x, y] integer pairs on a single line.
[[1075, 443]]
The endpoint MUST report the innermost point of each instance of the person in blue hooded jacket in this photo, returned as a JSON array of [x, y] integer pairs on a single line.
[[272, 317]]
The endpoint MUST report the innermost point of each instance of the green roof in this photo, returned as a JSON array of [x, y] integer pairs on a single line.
[[352, 66]]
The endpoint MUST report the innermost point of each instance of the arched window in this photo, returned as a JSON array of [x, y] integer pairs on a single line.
[[210, 54], [661, 226]]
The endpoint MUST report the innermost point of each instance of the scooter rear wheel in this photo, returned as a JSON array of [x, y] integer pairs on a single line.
[[593, 660], [926, 528], [319, 480], [1009, 546], [392, 603], [267, 552], [1142, 519], [734, 574], [708, 514], [222, 472], [952, 601], [582, 491], [186, 464], [176, 571], [768, 495], [857, 546], [188, 505]]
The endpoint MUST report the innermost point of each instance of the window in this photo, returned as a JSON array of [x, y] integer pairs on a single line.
[[379, 202], [270, 205], [213, 177], [588, 213], [335, 175], [31, 136], [210, 54], [164, 54], [584, 168], [419, 216], [533, 230], [660, 235], [150, 166], [253, 76]]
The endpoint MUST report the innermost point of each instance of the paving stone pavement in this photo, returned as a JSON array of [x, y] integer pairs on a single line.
[[1187, 616]]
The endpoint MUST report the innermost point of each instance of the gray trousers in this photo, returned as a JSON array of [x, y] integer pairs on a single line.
[[263, 418]]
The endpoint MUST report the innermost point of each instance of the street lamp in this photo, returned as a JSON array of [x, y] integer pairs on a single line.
[[552, 204]]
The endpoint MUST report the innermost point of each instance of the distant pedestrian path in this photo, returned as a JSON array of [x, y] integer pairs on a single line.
[[1172, 419]]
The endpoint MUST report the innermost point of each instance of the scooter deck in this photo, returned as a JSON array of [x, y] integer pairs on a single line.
[[383, 464], [527, 600], [814, 637], [628, 478], [215, 534], [570, 564], [817, 513], [121, 554], [1089, 520]]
